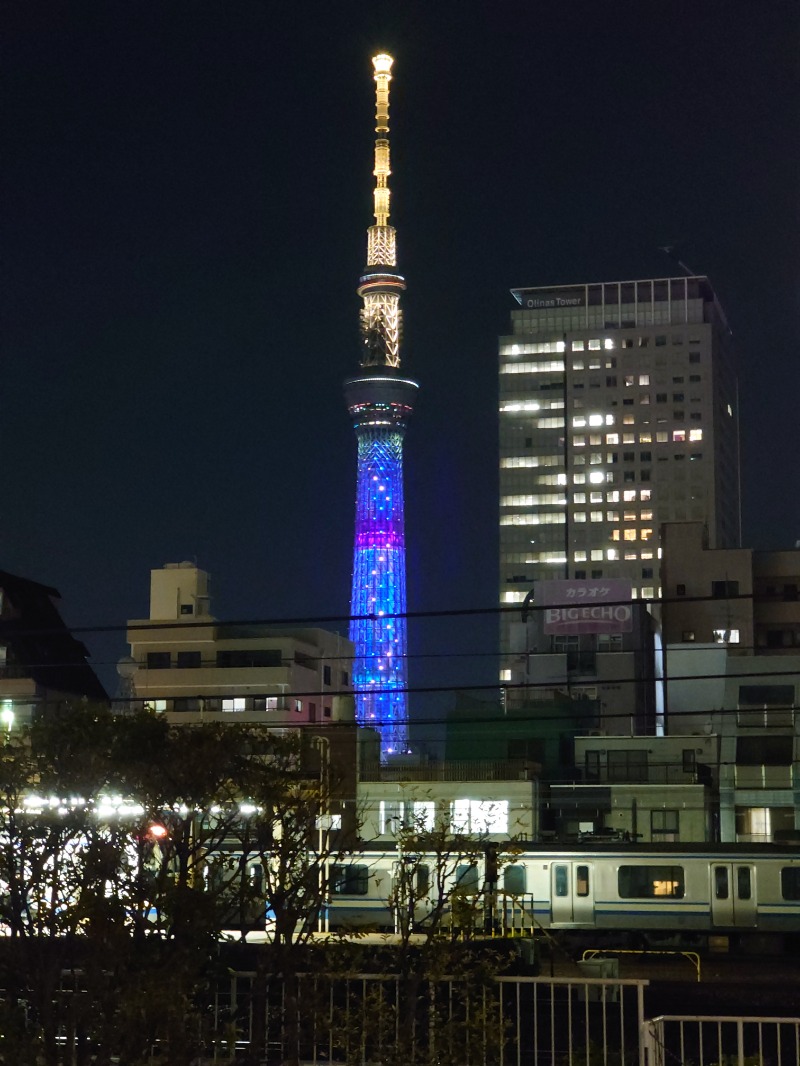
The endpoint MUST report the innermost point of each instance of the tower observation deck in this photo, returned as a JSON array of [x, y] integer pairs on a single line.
[[380, 401]]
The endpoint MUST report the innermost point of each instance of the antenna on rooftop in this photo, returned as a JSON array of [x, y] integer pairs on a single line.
[[672, 251]]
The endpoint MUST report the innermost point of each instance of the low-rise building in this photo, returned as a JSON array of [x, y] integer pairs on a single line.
[[186, 664], [493, 800], [637, 788]]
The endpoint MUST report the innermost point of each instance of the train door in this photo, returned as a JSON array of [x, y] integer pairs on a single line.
[[733, 894], [572, 893]]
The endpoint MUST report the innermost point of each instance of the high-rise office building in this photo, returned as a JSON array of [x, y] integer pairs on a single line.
[[380, 402], [617, 413]]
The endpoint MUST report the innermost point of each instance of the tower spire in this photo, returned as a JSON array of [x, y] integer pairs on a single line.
[[381, 285], [380, 403]]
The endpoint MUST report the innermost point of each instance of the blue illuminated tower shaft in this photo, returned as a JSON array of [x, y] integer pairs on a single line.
[[380, 402], [379, 587], [379, 406]]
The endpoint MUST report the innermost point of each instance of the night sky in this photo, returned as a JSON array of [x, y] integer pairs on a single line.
[[186, 194]]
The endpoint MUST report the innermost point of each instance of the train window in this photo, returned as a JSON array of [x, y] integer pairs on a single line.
[[790, 882], [352, 880], [582, 881], [257, 878], [467, 879], [647, 882], [423, 880], [514, 880], [721, 882], [743, 886], [562, 880]]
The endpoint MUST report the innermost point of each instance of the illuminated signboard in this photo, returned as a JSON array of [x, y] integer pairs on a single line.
[[594, 606], [543, 300]]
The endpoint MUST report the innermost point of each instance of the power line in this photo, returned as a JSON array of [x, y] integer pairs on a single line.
[[315, 621]]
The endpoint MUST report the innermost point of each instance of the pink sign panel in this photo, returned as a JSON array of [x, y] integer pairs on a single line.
[[594, 606]]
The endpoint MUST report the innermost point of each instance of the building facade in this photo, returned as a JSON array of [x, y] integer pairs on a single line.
[[187, 665], [653, 789], [731, 625], [490, 799], [380, 401], [617, 413]]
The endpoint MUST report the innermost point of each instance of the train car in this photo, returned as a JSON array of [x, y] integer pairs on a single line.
[[623, 890]]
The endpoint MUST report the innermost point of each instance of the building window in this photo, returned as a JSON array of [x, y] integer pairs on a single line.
[[265, 703], [694, 357], [326, 675], [158, 660], [245, 658], [188, 660], [479, 816], [236, 704], [687, 636], [626, 766], [609, 642], [187, 608], [689, 760], [664, 825], [186, 703], [764, 750], [726, 636], [345, 678], [680, 590], [721, 590]]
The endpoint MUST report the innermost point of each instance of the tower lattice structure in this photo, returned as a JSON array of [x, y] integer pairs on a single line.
[[380, 402]]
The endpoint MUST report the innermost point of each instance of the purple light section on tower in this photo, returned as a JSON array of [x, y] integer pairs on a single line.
[[379, 588]]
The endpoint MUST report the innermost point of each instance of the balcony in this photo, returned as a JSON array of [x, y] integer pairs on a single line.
[[633, 773], [460, 770]]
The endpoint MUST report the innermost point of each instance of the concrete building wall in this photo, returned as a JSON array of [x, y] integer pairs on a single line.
[[496, 810]]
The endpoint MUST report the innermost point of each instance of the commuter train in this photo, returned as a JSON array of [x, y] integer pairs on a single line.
[[633, 893]]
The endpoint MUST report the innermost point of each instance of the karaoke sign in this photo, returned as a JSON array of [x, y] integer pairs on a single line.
[[586, 606]]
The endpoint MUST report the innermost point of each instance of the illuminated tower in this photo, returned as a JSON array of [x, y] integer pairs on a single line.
[[380, 402]]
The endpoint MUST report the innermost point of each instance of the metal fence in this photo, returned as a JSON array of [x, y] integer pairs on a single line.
[[683, 1040], [369, 1018], [476, 1020]]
